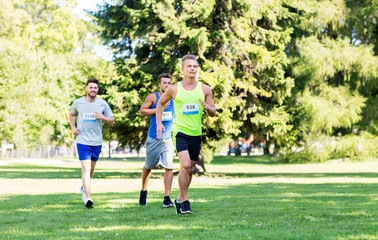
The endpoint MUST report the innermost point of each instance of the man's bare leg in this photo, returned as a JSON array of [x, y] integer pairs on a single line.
[[168, 178], [86, 171], [146, 174], [185, 174]]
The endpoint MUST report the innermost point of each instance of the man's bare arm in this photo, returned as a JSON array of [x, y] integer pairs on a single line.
[[145, 108], [71, 120]]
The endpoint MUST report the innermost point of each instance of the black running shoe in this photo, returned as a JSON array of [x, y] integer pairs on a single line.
[[89, 203], [178, 207], [185, 207], [167, 202], [143, 198]]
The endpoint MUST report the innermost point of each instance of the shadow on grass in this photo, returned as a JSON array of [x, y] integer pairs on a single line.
[[50, 172], [77, 174], [268, 211], [63, 173], [226, 160], [30, 167], [294, 175]]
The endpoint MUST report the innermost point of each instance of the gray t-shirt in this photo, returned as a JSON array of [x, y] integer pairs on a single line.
[[90, 128]]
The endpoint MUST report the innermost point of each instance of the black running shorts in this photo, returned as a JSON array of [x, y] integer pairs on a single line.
[[190, 143]]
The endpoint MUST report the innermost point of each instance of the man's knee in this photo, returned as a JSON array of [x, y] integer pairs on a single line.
[[86, 172], [186, 166], [189, 168]]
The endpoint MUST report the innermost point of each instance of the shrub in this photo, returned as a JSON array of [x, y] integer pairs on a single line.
[[324, 148], [304, 156], [352, 146]]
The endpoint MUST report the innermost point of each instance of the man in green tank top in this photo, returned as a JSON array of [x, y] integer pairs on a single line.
[[190, 99]]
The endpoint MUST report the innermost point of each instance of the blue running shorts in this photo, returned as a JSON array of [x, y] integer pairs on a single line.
[[88, 152]]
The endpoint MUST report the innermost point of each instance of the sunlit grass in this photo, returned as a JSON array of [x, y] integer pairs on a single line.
[[264, 200]]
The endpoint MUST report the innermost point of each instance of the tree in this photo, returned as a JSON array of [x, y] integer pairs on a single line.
[[40, 73], [240, 48], [36, 90], [265, 61], [332, 69]]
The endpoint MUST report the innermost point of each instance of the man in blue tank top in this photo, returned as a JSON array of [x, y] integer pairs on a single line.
[[156, 149]]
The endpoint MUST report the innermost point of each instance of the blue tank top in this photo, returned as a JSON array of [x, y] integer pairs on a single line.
[[167, 120]]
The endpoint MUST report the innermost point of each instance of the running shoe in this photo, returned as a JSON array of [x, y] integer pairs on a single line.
[[185, 207], [89, 203], [167, 202], [178, 207], [143, 198]]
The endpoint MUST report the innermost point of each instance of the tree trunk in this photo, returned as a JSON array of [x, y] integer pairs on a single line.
[[266, 148], [276, 151], [73, 146], [237, 148], [40, 151], [138, 150]]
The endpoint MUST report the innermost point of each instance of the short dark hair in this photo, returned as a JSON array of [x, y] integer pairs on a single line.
[[186, 57], [164, 75], [92, 80]]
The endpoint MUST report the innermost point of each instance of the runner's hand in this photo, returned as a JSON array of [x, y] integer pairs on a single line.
[[159, 129], [97, 115], [204, 105], [76, 131]]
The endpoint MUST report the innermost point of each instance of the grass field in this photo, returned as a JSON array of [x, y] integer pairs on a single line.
[[239, 198]]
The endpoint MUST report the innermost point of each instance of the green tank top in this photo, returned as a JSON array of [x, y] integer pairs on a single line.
[[188, 111]]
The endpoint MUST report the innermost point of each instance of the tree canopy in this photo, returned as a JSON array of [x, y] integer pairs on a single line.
[[290, 72], [43, 68], [278, 69], [240, 48]]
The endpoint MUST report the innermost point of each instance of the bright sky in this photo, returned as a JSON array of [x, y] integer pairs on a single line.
[[91, 5]]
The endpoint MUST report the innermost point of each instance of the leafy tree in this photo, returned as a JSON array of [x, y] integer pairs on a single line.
[[36, 89], [334, 74], [40, 73], [240, 48]]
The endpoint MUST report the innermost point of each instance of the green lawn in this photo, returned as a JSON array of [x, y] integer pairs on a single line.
[[239, 198]]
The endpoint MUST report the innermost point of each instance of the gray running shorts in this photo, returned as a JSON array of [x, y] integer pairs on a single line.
[[156, 150]]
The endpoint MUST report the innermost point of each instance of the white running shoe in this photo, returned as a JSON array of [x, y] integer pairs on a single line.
[[83, 194]]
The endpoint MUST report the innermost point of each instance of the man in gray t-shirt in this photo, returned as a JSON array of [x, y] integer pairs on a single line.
[[90, 111]]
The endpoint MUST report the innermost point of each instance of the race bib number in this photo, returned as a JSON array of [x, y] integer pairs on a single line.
[[167, 116], [190, 108], [89, 117]]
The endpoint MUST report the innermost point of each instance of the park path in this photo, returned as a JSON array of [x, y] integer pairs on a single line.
[[286, 174], [50, 186]]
